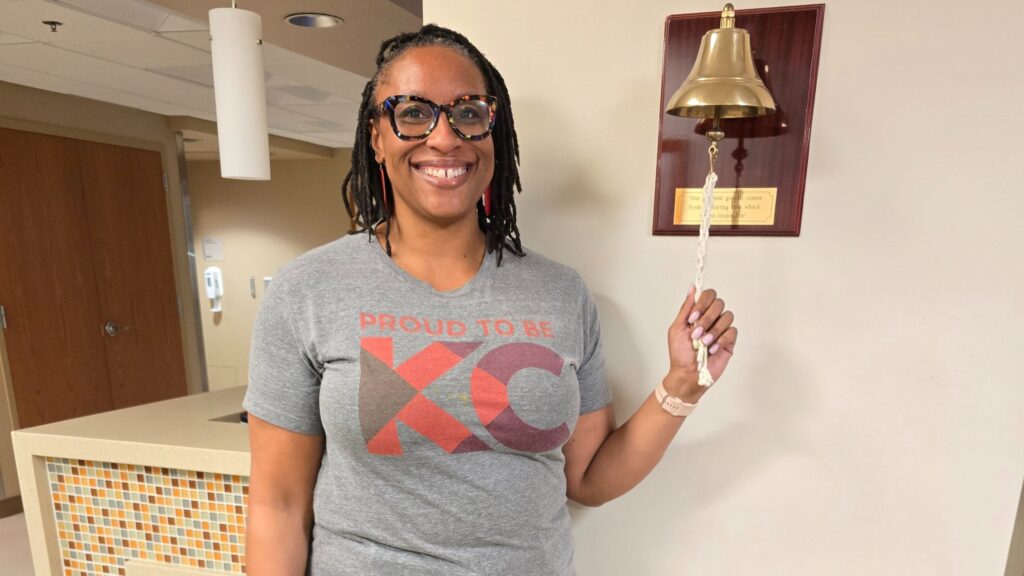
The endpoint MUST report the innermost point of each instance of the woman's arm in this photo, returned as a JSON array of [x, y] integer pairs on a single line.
[[284, 470], [603, 462]]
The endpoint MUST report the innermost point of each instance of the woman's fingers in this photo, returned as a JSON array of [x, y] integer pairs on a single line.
[[712, 334], [707, 318], [706, 299], [727, 341]]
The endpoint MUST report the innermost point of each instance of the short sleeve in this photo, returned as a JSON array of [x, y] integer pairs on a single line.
[[284, 382], [594, 391]]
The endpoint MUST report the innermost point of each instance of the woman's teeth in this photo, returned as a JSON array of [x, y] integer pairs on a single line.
[[444, 172]]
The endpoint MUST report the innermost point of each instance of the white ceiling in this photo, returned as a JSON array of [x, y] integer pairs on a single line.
[[140, 54]]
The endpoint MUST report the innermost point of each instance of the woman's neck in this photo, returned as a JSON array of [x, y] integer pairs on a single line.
[[444, 257]]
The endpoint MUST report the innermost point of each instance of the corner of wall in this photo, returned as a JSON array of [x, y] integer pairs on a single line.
[[8, 423]]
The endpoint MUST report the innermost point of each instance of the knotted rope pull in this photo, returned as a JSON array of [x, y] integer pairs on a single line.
[[704, 375]]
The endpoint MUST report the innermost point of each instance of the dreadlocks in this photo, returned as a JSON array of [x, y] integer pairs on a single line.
[[368, 199]]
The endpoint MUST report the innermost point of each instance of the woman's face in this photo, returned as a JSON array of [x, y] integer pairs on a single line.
[[437, 179]]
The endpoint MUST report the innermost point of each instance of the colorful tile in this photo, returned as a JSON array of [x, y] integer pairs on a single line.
[[108, 513]]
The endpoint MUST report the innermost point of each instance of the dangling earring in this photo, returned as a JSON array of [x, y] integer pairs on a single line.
[[487, 200], [384, 188], [387, 209]]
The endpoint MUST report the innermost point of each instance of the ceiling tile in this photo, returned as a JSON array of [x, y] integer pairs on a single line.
[[25, 19], [197, 74], [196, 39], [135, 13], [145, 52], [317, 126], [346, 113], [43, 81], [12, 39], [74, 66], [334, 139], [138, 54], [313, 73], [337, 140], [283, 118], [175, 23], [283, 91]]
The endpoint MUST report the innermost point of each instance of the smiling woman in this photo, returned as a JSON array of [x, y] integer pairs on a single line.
[[431, 404]]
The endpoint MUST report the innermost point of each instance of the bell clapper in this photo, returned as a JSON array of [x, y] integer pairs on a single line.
[[714, 135]]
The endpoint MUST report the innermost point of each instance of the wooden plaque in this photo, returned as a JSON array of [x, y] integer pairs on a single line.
[[762, 162]]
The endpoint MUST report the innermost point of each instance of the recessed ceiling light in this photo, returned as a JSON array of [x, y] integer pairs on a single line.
[[313, 20]]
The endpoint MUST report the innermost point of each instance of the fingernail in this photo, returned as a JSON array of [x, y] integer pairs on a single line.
[[693, 317], [690, 291], [696, 333], [708, 339], [713, 349]]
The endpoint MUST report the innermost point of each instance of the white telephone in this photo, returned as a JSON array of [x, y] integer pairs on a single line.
[[214, 287]]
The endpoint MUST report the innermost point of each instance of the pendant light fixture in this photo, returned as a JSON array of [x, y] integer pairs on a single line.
[[240, 92]]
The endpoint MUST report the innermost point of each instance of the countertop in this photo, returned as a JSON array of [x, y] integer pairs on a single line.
[[197, 432]]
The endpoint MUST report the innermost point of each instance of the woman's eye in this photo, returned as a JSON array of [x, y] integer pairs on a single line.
[[413, 113], [468, 114]]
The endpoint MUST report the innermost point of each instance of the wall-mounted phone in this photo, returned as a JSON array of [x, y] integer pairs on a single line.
[[214, 287]]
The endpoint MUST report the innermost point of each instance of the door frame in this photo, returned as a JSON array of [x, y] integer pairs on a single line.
[[8, 423], [193, 270]]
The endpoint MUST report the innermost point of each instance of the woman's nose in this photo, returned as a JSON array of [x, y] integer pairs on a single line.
[[442, 138]]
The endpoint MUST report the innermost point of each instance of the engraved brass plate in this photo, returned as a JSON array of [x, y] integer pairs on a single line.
[[742, 206]]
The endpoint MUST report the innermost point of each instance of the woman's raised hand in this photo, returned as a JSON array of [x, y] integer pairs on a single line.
[[706, 320]]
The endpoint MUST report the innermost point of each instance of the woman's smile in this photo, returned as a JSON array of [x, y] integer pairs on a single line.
[[444, 174]]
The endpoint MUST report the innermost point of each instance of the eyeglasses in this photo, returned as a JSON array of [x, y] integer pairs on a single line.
[[414, 118]]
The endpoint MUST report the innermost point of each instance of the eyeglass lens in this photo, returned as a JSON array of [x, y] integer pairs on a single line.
[[471, 117]]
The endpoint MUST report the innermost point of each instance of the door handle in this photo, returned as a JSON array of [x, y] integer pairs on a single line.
[[113, 328]]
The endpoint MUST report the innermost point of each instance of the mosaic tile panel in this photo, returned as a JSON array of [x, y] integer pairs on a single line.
[[110, 513]]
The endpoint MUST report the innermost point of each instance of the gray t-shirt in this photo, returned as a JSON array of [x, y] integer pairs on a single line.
[[445, 413]]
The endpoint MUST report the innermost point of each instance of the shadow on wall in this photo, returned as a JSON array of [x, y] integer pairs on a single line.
[[572, 187], [1015, 562], [746, 425]]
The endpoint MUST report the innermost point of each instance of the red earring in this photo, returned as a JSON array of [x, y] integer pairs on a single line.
[[487, 200], [384, 188]]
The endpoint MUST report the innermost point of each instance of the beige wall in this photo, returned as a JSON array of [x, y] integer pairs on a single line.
[[262, 226], [873, 420], [24, 108]]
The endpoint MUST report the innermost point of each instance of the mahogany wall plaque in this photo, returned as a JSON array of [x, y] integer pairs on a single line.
[[762, 163]]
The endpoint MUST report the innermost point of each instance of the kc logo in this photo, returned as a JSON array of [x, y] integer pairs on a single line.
[[388, 395]]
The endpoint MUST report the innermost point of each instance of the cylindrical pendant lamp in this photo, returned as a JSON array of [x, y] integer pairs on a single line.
[[240, 92]]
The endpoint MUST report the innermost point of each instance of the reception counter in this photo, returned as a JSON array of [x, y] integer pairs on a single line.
[[159, 489]]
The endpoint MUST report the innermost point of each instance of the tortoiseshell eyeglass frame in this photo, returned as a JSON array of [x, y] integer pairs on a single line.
[[388, 107]]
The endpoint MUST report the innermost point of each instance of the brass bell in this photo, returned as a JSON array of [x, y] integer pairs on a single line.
[[723, 82]]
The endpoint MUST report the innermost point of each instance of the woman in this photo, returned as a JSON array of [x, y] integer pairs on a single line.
[[430, 399]]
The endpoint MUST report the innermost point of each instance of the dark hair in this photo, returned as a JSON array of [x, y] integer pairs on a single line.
[[362, 189]]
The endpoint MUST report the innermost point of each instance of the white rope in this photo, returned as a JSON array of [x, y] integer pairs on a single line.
[[704, 375]]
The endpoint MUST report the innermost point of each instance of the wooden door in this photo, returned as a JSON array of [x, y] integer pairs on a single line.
[[131, 254], [84, 245], [54, 345]]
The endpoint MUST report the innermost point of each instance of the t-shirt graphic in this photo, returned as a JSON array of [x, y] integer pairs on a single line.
[[389, 394]]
